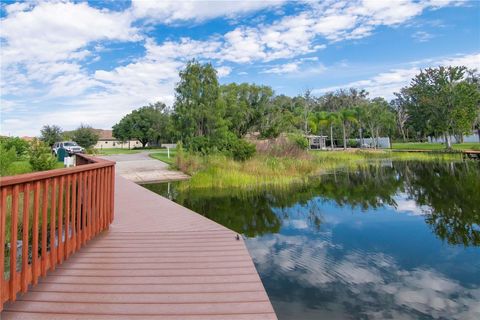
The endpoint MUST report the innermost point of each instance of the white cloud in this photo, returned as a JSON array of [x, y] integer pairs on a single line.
[[386, 83], [422, 36], [223, 71], [284, 68], [47, 46], [178, 11], [53, 31]]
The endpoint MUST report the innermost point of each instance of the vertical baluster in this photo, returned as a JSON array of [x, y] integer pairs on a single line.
[[36, 209], [94, 204], [44, 226], [61, 189], [67, 217], [3, 231], [112, 194], [53, 212], [90, 205], [109, 205], [25, 222], [85, 208], [78, 237], [13, 244], [73, 242], [103, 200]]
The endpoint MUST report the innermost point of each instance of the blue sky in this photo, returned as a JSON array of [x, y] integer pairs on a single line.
[[69, 63]]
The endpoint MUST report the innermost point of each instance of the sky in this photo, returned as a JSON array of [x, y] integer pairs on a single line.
[[92, 62]]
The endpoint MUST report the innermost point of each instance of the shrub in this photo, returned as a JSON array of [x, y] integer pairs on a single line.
[[242, 150], [21, 146], [352, 143], [41, 157], [299, 140], [85, 136], [281, 147], [7, 157]]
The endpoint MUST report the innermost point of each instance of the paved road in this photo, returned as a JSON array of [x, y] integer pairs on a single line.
[[140, 168]]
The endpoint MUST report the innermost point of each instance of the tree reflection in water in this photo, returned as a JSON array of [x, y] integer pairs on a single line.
[[449, 194]]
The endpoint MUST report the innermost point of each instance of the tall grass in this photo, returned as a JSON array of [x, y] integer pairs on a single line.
[[217, 171]]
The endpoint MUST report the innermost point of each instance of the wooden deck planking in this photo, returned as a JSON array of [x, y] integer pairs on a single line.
[[158, 260]]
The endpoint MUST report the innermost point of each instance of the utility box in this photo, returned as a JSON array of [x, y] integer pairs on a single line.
[[61, 154]]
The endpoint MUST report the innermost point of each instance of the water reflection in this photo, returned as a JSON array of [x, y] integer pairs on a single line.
[[446, 194], [398, 240]]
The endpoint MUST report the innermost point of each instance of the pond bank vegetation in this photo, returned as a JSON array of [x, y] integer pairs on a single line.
[[266, 169]]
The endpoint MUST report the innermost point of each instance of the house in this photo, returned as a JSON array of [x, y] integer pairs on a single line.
[[316, 142], [106, 140]]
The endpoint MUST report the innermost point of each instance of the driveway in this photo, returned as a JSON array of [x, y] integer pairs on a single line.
[[140, 168]]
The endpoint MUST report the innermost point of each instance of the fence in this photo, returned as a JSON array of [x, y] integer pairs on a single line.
[[47, 216]]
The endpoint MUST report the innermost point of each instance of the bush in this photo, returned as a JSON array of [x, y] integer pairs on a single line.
[[299, 140], [85, 136], [41, 157], [242, 150], [21, 146], [352, 143], [7, 157]]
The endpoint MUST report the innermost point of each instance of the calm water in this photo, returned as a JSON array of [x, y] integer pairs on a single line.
[[396, 241]]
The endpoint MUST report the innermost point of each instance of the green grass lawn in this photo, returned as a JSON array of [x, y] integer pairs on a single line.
[[110, 151], [163, 156], [434, 146], [20, 167]]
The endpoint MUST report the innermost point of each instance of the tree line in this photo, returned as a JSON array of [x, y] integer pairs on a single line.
[[207, 116]]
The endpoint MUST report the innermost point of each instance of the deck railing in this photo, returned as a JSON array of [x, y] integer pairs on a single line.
[[47, 216]]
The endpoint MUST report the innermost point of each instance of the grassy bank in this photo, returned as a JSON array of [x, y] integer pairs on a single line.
[[21, 167], [218, 171], [113, 151], [110, 151], [435, 146], [162, 155]]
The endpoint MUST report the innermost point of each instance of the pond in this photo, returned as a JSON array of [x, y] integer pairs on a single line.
[[399, 240]]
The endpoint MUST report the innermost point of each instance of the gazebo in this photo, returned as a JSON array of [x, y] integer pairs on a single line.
[[316, 142]]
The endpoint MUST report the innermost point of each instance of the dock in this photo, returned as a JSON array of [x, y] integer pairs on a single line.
[[157, 260]]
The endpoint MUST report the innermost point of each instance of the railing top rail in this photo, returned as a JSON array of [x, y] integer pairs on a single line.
[[94, 163]]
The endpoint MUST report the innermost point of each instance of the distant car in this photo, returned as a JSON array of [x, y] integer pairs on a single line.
[[70, 146]]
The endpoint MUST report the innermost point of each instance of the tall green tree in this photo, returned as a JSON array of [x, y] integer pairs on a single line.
[[85, 136], [447, 99], [50, 134], [347, 117], [378, 118], [147, 124], [245, 106], [198, 109]]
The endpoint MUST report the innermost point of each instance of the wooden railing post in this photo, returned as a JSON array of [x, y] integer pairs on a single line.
[[69, 207]]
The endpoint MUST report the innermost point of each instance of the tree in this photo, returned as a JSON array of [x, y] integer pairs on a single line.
[[332, 119], [346, 117], [400, 105], [377, 117], [147, 124], [198, 109], [446, 98], [245, 106], [40, 156], [85, 136], [50, 134]]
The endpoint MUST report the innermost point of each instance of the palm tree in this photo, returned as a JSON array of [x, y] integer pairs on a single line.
[[346, 116], [332, 118], [360, 115]]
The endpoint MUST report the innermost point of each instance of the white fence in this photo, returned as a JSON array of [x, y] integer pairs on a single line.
[[383, 142], [467, 138]]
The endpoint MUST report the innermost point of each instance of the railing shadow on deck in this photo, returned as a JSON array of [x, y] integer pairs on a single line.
[[47, 216]]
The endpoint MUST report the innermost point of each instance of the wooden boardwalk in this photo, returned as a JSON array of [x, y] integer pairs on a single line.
[[158, 260]]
